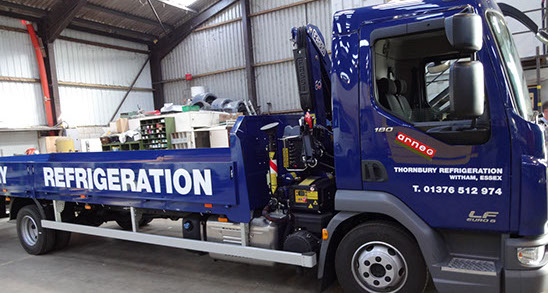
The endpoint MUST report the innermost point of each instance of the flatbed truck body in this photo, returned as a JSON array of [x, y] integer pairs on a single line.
[[225, 181], [417, 157]]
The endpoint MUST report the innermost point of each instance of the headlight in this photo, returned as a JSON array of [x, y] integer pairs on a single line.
[[531, 255]]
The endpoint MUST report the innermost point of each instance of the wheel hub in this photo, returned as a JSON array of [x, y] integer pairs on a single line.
[[29, 231], [379, 267]]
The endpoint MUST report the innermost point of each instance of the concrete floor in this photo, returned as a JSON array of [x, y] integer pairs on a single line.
[[94, 264]]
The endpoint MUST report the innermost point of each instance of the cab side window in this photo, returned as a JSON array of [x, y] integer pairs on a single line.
[[412, 81]]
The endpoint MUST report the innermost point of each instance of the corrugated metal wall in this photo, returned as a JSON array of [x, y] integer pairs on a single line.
[[220, 48], [21, 103], [207, 51], [16, 143], [81, 63], [277, 83]]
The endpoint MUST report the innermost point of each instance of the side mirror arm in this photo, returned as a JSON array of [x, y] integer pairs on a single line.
[[514, 13]]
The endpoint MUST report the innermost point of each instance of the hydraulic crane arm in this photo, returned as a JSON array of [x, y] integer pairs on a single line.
[[313, 67]]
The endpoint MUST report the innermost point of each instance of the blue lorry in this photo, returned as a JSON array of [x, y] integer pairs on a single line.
[[417, 157]]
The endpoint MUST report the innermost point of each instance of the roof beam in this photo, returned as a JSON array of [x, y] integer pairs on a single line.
[[51, 72], [35, 15], [31, 10], [100, 32], [19, 16], [126, 15], [169, 42], [79, 22], [60, 16]]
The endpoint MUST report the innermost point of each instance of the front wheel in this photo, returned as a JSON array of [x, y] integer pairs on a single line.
[[380, 257]]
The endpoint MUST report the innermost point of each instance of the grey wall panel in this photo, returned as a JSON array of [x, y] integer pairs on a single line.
[[78, 62], [230, 85], [262, 5], [177, 92], [21, 104], [230, 13], [83, 63], [221, 48], [277, 84], [272, 33], [16, 143], [277, 87], [206, 51], [90, 107], [319, 13], [17, 57]]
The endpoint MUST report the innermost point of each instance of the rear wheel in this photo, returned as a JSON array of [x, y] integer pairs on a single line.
[[33, 237], [380, 257]]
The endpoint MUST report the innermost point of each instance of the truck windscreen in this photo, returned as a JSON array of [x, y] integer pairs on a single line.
[[512, 64]]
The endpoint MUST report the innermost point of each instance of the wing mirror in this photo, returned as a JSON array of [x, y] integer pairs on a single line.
[[464, 31], [542, 35], [466, 89]]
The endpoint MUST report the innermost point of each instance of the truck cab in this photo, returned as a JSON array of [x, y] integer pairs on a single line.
[[431, 118]]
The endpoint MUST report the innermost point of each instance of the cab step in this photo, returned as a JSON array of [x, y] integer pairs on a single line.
[[471, 266]]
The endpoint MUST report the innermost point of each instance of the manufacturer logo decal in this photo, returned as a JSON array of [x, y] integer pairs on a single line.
[[487, 217], [415, 146], [318, 85], [318, 41]]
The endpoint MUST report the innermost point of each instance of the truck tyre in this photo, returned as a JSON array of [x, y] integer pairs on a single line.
[[34, 239], [62, 239], [380, 257]]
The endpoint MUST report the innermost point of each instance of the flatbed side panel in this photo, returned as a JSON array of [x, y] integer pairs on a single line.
[[16, 179], [170, 183]]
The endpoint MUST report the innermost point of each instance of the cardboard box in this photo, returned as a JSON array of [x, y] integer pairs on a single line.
[[122, 125], [47, 144]]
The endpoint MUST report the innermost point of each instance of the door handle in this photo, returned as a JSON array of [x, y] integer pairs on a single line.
[[373, 171]]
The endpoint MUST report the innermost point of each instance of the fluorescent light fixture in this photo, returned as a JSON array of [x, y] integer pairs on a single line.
[[183, 4]]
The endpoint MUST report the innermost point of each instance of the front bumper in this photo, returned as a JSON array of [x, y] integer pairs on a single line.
[[526, 281], [522, 278]]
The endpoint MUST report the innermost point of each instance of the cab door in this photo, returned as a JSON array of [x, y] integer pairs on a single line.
[[454, 173]]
